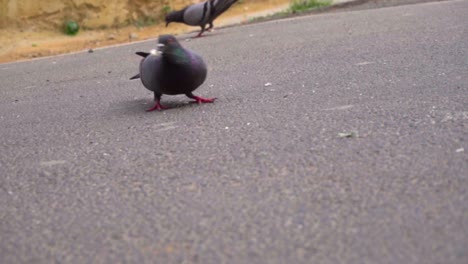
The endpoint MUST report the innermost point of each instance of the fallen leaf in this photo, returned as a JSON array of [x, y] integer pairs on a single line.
[[346, 134]]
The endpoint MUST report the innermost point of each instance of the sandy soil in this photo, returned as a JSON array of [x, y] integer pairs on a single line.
[[34, 43]]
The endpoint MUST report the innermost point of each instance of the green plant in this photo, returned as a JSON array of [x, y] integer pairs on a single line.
[[71, 27], [165, 10], [145, 21], [298, 6]]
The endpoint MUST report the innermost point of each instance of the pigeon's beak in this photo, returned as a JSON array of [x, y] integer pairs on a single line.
[[160, 46]]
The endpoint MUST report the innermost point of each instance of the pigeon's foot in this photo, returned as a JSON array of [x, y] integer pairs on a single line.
[[157, 106], [199, 35], [201, 100]]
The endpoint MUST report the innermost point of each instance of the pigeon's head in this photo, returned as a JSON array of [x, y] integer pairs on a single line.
[[169, 19], [168, 44], [171, 49], [175, 16]]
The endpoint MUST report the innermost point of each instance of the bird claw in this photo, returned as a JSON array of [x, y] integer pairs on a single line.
[[200, 34], [157, 106], [200, 100]]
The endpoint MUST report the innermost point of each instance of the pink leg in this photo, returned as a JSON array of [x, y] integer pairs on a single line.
[[156, 106], [201, 100], [201, 32], [199, 35], [210, 29]]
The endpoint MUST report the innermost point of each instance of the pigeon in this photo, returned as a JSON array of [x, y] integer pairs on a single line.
[[172, 70], [200, 14]]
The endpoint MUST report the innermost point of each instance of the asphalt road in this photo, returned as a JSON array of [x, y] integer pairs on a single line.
[[262, 175]]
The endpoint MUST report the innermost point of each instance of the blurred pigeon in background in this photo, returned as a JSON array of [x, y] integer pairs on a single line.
[[200, 14], [174, 71]]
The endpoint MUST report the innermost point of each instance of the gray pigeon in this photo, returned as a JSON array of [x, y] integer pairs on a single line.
[[200, 14], [175, 71]]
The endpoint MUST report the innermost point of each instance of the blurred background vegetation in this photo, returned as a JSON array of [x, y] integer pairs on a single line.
[[101, 14], [89, 14], [37, 28]]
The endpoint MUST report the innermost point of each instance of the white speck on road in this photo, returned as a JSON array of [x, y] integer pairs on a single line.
[[343, 107], [364, 63]]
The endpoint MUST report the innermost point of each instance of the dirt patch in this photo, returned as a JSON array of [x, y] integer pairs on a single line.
[[34, 42]]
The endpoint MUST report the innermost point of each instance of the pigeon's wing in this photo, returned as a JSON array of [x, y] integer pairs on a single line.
[[219, 7], [197, 14], [151, 71], [199, 68], [183, 73], [137, 76], [142, 53]]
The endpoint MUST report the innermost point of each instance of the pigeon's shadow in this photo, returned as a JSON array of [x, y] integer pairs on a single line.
[[139, 106]]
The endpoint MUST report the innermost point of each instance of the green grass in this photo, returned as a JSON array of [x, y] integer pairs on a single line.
[[145, 21], [298, 6], [295, 7], [166, 10]]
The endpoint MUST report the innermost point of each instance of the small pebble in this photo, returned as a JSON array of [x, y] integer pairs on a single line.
[[133, 35]]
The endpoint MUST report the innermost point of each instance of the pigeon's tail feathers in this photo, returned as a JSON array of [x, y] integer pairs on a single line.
[[220, 7], [143, 54], [135, 77]]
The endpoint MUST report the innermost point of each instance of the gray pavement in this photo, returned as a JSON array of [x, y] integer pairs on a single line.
[[262, 175]]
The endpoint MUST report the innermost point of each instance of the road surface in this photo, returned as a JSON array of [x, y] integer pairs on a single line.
[[356, 152]]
